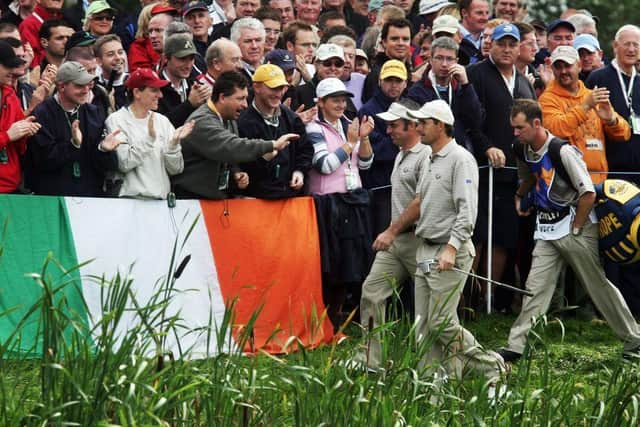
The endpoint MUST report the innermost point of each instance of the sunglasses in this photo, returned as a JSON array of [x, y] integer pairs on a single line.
[[333, 63], [103, 18]]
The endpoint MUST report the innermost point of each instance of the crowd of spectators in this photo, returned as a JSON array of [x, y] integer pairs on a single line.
[[279, 98]]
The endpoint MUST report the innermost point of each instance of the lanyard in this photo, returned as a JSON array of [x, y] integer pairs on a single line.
[[626, 92], [432, 78]]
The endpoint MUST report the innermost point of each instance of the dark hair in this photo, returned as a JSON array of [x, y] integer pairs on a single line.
[[448, 129], [292, 29], [228, 83], [524, 28], [338, 30], [329, 15], [12, 41], [8, 27], [396, 23], [97, 47], [80, 53], [267, 12], [464, 4], [425, 36], [45, 29], [530, 108]]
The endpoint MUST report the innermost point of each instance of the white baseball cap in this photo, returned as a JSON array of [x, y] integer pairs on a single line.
[[395, 112], [567, 54], [431, 6], [445, 24], [329, 50], [437, 110], [331, 86]]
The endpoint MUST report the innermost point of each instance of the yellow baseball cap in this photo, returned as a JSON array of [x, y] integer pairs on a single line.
[[271, 75], [393, 68]]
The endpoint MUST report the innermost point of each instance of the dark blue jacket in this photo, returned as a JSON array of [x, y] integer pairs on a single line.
[[54, 166], [384, 151], [270, 179], [465, 105], [621, 156]]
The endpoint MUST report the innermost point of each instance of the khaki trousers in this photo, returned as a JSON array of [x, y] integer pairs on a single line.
[[437, 297], [581, 253], [390, 268]]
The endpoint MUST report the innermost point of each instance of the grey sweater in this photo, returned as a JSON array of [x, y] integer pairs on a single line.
[[208, 152]]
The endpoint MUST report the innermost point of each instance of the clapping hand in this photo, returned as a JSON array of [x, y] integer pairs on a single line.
[[366, 126], [182, 132], [111, 142], [23, 128]]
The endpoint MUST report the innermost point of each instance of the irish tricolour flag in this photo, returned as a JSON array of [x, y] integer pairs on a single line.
[[259, 257]]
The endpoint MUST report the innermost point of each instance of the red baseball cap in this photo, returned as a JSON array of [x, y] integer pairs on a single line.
[[144, 77], [164, 8]]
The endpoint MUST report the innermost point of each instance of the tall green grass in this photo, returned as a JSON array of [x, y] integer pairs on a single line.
[[89, 376]]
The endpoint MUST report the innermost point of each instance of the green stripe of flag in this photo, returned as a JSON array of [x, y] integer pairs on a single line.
[[33, 229]]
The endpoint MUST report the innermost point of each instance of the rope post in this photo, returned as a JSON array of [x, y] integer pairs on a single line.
[[490, 238]]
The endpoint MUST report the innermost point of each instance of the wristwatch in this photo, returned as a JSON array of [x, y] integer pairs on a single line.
[[576, 231]]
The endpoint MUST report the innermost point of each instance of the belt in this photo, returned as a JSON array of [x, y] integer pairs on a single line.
[[410, 229], [431, 242]]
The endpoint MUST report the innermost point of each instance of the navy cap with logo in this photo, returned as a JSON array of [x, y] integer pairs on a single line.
[[194, 5], [558, 23], [80, 38], [282, 58], [8, 57]]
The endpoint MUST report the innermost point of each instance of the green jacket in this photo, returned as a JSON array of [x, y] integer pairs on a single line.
[[209, 151]]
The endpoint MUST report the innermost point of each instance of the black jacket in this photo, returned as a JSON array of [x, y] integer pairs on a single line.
[[468, 53], [344, 230], [621, 156], [270, 179], [371, 83], [54, 166], [497, 102], [171, 106], [465, 105]]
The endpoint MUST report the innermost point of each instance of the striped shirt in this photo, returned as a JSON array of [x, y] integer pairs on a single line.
[[448, 189]]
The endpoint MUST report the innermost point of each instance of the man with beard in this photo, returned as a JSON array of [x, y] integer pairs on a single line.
[[14, 128], [214, 143], [70, 154], [283, 175], [111, 59]]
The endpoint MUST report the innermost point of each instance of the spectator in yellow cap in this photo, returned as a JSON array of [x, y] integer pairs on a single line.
[[391, 86], [283, 175]]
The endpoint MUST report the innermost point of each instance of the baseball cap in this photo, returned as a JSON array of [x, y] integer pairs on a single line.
[[395, 112], [565, 53], [431, 6], [555, 24], [145, 77], [271, 75], [282, 58], [361, 54], [179, 45], [329, 50], [74, 72], [586, 41], [8, 56], [374, 5], [505, 30], [437, 110], [445, 24], [164, 8], [98, 6], [393, 68], [194, 5], [79, 38], [331, 87]]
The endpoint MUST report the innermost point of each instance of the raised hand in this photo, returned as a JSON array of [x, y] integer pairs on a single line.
[[353, 131], [307, 116], [23, 128], [111, 142], [366, 126], [76, 133], [284, 140], [182, 132]]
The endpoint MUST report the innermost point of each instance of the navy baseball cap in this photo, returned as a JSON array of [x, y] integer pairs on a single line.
[[553, 25], [505, 30], [80, 38], [282, 58], [194, 5]]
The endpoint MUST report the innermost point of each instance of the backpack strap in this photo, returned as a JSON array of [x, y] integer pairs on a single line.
[[555, 145]]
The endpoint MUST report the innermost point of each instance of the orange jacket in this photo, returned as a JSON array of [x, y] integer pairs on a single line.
[[564, 116]]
